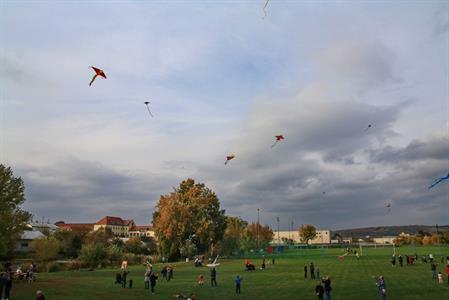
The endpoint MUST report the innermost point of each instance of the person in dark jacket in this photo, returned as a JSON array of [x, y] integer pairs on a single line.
[[2, 284], [382, 287], [433, 268], [7, 284], [319, 290], [124, 275], [213, 277], [305, 271], [312, 271], [153, 277], [327, 287], [238, 282], [400, 259]]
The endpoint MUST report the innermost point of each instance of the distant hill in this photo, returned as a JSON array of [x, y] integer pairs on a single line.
[[388, 230]]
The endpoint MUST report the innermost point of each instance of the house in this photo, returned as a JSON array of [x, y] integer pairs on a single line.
[[117, 225], [75, 226], [42, 226], [141, 231], [23, 244], [385, 240], [323, 236]]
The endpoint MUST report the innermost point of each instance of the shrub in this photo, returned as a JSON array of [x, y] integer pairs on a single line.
[[45, 249], [53, 267], [93, 254]]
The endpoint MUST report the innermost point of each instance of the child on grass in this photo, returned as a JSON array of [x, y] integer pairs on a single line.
[[201, 280]]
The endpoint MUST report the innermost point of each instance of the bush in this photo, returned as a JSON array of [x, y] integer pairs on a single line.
[[114, 254], [45, 249], [76, 265], [53, 267], [93, 255]]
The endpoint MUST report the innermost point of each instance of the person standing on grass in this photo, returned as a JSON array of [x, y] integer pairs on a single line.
[[440, 278], [382, 287], [317, 272], [393, 260], [2, 284], [305, 271], [201, 280], [238, 281], [327, 287], [146, 279], [400, 260], [312, 271], [153, 277], [319, 290], [213, 277], [124, 275], [433, 268], [169, 273], [164, 273], [5, 285]]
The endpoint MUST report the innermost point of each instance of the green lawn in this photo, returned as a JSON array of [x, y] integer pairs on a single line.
[[351, 279]]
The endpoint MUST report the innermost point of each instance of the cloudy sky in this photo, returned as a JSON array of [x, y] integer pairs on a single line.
[[222, 79]]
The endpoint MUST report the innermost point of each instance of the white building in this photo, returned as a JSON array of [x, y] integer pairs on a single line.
[[23, 244], [385, 240], [323, 236]]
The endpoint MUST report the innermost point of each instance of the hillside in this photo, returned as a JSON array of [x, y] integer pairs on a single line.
[[388, 230]]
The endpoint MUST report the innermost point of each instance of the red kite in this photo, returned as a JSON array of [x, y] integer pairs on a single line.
[[278, 139], [98, 72], [228, 158]]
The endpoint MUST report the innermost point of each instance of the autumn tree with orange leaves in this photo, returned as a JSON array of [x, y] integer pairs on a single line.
[[189, 214]]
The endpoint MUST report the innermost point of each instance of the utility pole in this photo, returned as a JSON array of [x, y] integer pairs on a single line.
[[258, 229], [293, 233], [279, 240]]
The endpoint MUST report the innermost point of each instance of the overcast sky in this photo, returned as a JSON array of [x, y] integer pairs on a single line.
[[222, 79]]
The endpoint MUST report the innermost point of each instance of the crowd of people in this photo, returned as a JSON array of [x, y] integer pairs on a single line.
[[322, 288], [8, 275]]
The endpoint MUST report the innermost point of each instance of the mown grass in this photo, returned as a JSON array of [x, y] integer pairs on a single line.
[[351, 279]]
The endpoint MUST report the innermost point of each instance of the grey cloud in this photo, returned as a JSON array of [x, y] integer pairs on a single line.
[[369, 65], [77, 190], [435, 148]]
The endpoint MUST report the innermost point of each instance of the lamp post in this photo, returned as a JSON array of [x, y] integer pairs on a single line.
[[279, 240], [258, 229]]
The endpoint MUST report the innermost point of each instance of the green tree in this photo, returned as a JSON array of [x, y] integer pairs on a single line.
[[134, 245], [307, 232], [70, 242], [114, 254], [256, 236], [45, 249], [93, 254], [233, 234], [191, 209], [100, 236], [12, 218]]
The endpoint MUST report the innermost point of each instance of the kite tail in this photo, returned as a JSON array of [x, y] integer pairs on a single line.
[[274, 144], [149, 111], [265, 8], [226, 162], [92, 81]]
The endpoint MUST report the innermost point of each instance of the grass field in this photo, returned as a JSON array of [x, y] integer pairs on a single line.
[[351, 279]]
